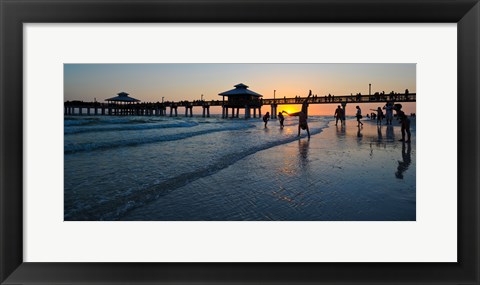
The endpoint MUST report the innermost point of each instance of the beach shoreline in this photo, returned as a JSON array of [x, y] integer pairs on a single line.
[[340, 174]]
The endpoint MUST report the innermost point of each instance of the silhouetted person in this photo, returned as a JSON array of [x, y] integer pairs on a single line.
[[281, 118], [359, 116], [266, 117], [302, 116], [388, 113], [404, 121], [379, 115], [338, 115], [407, 159]]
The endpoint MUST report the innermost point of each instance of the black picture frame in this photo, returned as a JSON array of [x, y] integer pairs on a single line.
[[13, 13]]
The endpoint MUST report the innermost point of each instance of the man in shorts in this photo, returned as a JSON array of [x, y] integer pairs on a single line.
[[339, 115]]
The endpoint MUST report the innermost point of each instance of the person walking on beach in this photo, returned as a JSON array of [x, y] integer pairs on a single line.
[[338, 115], [281, 118], [266, 117], [388, 113], [359, 116], [404, 121], [302, 116]]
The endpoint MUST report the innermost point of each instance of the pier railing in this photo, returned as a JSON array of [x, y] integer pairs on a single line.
[[330, 99]]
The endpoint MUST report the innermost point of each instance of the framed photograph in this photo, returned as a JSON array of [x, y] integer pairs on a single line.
[[239, 142]]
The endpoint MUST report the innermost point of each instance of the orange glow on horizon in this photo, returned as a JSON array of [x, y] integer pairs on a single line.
[[289, 108], [176, 82]]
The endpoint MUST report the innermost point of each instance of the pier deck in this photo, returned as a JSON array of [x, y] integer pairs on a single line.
[[160, 109]]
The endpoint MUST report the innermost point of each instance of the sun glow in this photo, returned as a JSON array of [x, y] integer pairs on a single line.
[[289, 108]]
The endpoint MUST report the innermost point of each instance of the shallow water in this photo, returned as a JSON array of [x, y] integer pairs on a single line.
[[161, 168]]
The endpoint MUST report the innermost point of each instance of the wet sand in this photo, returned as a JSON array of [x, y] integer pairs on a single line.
[[341, 174]]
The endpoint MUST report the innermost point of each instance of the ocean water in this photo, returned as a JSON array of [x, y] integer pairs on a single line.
[[179, 168]]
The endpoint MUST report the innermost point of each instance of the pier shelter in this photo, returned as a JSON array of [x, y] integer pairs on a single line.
[[120, 104], [241, 98]]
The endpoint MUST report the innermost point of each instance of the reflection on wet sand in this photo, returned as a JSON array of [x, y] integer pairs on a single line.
[[341, 131], [379, 134], [359, 134], [390, 133], [379, 138], [380, 143], [303, 153], [407, 159]]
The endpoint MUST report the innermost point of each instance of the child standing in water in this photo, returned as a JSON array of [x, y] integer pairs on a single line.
[[302, 116], [281, 118], [266, 117]]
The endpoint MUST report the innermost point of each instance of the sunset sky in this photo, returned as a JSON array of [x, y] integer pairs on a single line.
[[175, 82]]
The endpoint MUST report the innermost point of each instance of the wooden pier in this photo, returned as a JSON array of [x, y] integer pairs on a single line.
[[171, 108], [136, 109]]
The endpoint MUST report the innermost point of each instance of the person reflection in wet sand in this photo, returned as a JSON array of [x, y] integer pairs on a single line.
[[390, 133], [359, 134], [303, 153], [340, 130], [379, 134], [407, 159]]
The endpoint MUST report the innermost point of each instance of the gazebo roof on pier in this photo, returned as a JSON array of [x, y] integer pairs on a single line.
[[122, 97], [240, 89]]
